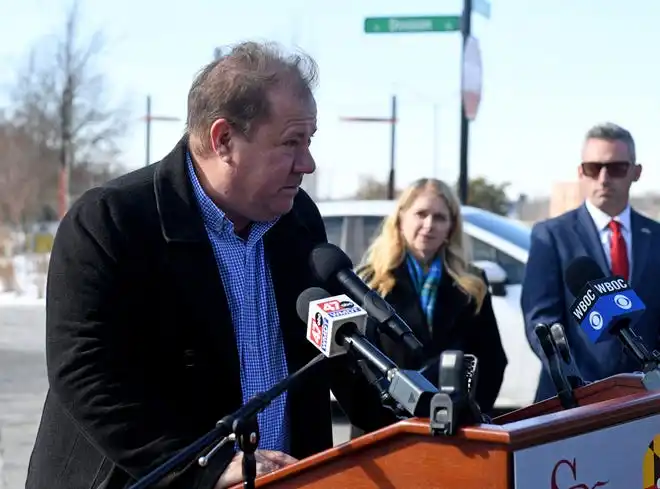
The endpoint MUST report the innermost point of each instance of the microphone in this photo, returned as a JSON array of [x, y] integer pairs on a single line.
[[455, 405], [470, 364], [561, 342], [333, 267], [338, 335], [558, 336], [553, 356], [606, 306]]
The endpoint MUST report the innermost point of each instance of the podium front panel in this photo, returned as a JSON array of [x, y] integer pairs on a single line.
[[407, 462], [618, 457]]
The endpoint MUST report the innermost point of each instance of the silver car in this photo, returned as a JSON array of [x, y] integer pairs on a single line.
[[499, 246]]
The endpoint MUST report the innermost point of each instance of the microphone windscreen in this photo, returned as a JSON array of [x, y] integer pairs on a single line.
[[326, 260], [580, 271], [306, 296]]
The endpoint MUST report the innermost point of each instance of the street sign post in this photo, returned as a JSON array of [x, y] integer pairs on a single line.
[[391, 25], [471, 69]]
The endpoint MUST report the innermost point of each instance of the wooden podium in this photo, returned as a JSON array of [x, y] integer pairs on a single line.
[[538, 447]]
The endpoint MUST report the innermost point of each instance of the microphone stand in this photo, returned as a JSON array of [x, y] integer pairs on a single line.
[[248, 441], [649, 361], [407, 388], [403, 392], [240, 425], [381, 384]]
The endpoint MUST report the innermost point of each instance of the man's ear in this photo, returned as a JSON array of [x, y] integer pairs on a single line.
[[221, 137]]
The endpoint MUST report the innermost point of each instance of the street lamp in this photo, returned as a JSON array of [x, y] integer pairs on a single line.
[[389, 120], [437, 104], [148, 117]]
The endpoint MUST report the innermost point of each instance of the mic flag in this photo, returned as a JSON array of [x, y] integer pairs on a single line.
[[604, 303], [326, 315]]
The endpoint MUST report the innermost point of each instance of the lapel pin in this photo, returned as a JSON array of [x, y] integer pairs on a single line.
[[646, 230]]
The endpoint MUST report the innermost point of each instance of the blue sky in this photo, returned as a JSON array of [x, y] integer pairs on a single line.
[[551, 70]]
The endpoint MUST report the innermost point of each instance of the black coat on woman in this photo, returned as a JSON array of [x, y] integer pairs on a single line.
[[456, 326]]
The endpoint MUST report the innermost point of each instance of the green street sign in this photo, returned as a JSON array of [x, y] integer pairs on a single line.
[[384, 25]]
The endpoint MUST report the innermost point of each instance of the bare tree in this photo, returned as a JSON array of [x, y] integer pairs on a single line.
[[62, 100]]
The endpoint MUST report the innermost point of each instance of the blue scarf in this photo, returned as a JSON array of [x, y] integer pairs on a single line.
[[426, 284]]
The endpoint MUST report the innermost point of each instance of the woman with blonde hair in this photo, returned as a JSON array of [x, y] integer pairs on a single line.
[[418, 263]]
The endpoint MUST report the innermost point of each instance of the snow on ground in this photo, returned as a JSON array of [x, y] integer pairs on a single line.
[[30, 274]]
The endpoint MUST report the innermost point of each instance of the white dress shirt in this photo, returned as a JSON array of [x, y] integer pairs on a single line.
[[602, 222]]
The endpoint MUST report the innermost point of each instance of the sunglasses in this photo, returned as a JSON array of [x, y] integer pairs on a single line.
[[615, 169]]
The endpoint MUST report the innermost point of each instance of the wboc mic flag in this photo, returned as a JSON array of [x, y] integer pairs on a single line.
[[604, 302]]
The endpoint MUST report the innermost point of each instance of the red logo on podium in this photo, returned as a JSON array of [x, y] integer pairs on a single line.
[[571, 468]]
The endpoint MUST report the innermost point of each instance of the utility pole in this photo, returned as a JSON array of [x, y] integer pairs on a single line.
[[148, 117], [390, 184], [147, 143], [392, 120], [466, 30]]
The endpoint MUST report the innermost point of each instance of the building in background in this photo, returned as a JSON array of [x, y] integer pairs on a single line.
[[565, 196]]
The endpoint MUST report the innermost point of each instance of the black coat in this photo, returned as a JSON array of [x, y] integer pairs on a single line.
[[140, 346], [455, 327]]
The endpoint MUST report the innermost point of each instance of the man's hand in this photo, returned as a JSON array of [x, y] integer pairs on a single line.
[[267, 461]]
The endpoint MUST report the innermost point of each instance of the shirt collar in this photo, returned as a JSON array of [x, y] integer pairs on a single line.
[[602, 220], [213, 216]]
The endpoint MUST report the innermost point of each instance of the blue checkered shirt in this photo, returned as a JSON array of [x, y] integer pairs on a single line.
[[248, 286]]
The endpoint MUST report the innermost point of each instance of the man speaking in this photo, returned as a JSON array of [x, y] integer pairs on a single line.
[[172, 294]]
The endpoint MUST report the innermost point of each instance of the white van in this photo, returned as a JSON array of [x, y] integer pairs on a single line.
[[500, 247]]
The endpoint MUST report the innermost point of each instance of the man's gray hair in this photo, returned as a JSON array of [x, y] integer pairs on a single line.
[[236, 86], [613, 132]]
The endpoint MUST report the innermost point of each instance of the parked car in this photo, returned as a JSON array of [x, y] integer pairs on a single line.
[[500, 247]]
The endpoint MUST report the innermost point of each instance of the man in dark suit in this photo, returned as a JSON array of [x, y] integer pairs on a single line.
[[172, 290], [606, 229]]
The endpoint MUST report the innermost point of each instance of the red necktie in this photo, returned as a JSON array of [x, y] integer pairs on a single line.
[[618, 251]]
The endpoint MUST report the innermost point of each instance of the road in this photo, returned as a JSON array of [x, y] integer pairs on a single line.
[[23, 387]]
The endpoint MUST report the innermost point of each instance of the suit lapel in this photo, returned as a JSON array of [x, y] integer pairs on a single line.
[[289, 278], [196, 272], [586, 230], [641, 245], [190, 259]]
